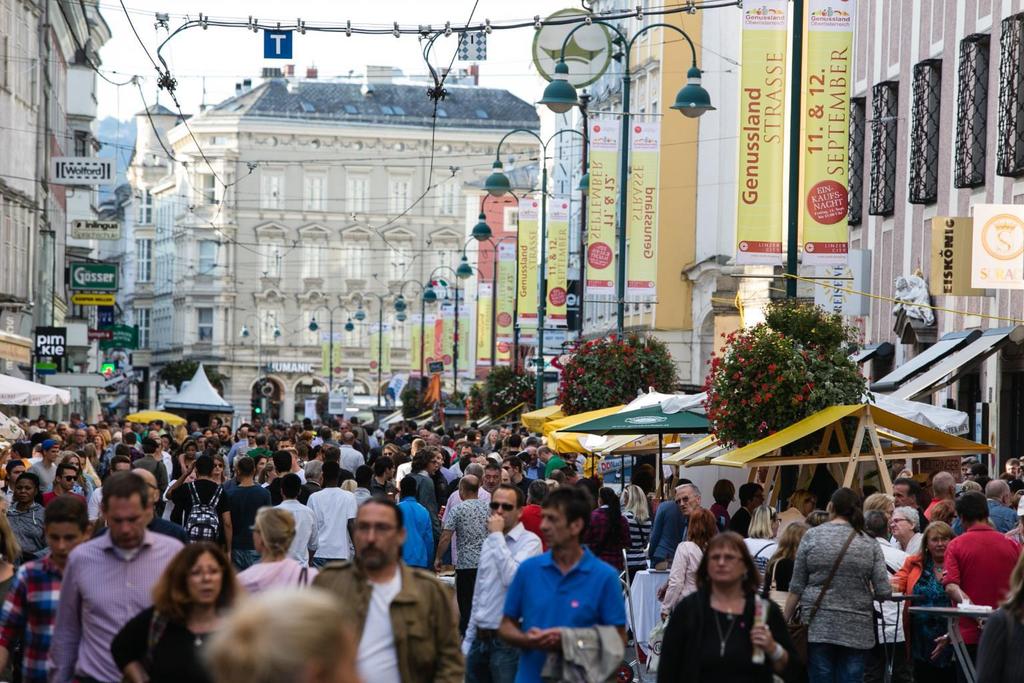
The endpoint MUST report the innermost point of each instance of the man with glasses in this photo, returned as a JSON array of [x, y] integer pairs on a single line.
[[403, 617], [670, 523], [566, 587], [905, 525], [489, 659], [63, 484]]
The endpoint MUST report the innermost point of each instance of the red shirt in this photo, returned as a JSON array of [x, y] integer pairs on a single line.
[[980, 561], [49, 497], [531, 522]]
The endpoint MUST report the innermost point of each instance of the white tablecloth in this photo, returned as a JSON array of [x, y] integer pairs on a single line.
[[646, 607]]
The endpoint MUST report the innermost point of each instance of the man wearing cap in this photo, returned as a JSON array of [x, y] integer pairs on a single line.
[[44, 465]]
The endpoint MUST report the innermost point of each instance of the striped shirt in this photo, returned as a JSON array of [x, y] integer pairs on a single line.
[[102, 590], [28, 615], [639, 535]]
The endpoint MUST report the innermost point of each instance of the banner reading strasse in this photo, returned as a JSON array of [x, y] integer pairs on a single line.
[[558, 261], [762, 124], [642, 273], [602, 199], [528, 249], [826, 131]]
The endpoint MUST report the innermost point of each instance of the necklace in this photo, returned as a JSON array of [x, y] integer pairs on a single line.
[[723, 639]]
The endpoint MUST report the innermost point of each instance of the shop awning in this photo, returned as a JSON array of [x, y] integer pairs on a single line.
[[948, 344], [649, 420], [960, 363], [564, 442], [536, 419], [872, 351]]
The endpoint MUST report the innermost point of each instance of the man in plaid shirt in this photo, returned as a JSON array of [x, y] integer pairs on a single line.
[[30, 610]]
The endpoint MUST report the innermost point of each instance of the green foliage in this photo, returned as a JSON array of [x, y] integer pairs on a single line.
[[611, 371], [505, 388], [769, 377], [412, 401], [178, 372]]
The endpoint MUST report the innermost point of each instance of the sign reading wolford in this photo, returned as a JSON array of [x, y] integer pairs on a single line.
[[93, 277], [81, 171]]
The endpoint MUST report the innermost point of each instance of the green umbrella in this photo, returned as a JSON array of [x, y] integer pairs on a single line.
[[650, 420]]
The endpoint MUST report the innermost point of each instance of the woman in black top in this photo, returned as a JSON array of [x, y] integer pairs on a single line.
[[1002, 639], [711, 634], [164, 642], [780, 567]]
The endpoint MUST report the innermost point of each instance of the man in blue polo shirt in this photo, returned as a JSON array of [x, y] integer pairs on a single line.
[[566, 587]]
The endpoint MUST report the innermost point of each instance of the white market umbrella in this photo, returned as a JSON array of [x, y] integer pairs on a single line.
[[21, 392], [944, 419]]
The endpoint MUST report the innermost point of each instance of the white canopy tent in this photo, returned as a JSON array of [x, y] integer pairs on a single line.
[[944, 419], [21, 392], [198, 394]]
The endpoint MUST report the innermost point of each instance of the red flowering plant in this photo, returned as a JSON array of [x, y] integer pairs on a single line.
[[611, 371], [505, 388], [475, 402], [778, 372]]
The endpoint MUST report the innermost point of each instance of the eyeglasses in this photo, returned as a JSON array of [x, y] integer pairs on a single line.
[[69, 477], [507, 507]]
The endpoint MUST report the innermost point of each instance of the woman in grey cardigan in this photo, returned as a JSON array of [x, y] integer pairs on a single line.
[[842, 631]]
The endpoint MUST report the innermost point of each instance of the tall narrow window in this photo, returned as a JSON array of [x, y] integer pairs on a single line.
[[271, 253], [313, 186], [971, 111], [144, 216], [312, 260], [398, 195], [357, 190], [204, 324], [207, 256], [1010, 154], [142, 320], [884, 107], [354, 256], [856, 158], [144, 260], [271, 191], [924, 133]]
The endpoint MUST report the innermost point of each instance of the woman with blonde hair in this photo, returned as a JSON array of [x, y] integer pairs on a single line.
[[779, 571], [921, 577], [10, 551], [882, 502], [801, 503], [637, 512], [163, 642], [285, 636], [272, 535], [760, 540]]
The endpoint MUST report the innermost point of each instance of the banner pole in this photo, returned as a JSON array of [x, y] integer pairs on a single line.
[[796, 83]]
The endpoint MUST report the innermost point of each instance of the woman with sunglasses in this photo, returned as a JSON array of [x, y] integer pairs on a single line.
[[714, 635]]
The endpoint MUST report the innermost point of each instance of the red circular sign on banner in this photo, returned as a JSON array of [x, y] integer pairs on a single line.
[[504, 347], [599, 255], [447, 359], [557, 296], [373, 365], [504, 319], [827, 202]]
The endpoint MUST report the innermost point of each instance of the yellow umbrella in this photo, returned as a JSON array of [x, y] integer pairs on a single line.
[[568, 442], [535, 419], [150, 415]]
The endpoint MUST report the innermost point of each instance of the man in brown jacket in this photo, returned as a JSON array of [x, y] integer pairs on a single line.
[[404, 618]]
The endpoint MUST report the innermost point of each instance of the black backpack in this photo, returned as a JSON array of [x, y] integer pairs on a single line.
[[203, 522]]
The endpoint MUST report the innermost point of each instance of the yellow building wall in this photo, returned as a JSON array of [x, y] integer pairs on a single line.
[[677, 206]]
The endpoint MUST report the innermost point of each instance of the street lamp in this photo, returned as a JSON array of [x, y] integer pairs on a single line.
[[314, 326], [494, 291], [430, 296], [497, 184], [360, 315], [692, 101]]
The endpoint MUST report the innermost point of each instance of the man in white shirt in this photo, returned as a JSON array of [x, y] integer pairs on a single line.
[[304, 544], [351, 459], [334, 510], [489, 658], [891, 640]]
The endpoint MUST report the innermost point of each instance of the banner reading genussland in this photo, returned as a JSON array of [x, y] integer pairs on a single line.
[[763, 91], [527, 247], [826, 131], [602, 200], [484, 303], [642, 228]]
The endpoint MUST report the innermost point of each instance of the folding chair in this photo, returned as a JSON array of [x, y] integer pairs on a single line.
[[637, 663]]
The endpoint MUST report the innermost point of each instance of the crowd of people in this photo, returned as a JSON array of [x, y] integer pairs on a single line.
[[336, 553]]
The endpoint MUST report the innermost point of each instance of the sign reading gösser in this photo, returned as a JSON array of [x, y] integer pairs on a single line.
[[93, 277]]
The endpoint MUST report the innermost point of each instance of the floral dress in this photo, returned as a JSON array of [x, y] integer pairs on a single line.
[[928, 592]]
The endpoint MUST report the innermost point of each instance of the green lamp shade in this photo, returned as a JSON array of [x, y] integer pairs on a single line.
[[560, 95], [349, 326], [277, 332], [401, 316], [464, 271], [585, 183], [244, 331], [497, 183], [481, 231], [693, 100], [400, 303], [429, 295], [360, 314]]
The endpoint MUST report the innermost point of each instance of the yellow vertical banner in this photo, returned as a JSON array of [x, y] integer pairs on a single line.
[[484, 333], [759, 208], [826, 131], [385, 343], [429, 339], [446, 335], [601, 202], [462, 347], [528, 247], [506, 301], [325, 352], [642, 228], [558, 262], [414, 351]]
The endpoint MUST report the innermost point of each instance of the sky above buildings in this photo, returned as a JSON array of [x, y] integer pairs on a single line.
[[208, 63]]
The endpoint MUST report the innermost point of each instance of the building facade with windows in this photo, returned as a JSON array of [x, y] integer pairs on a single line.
[[937, 128], [305, 197]]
